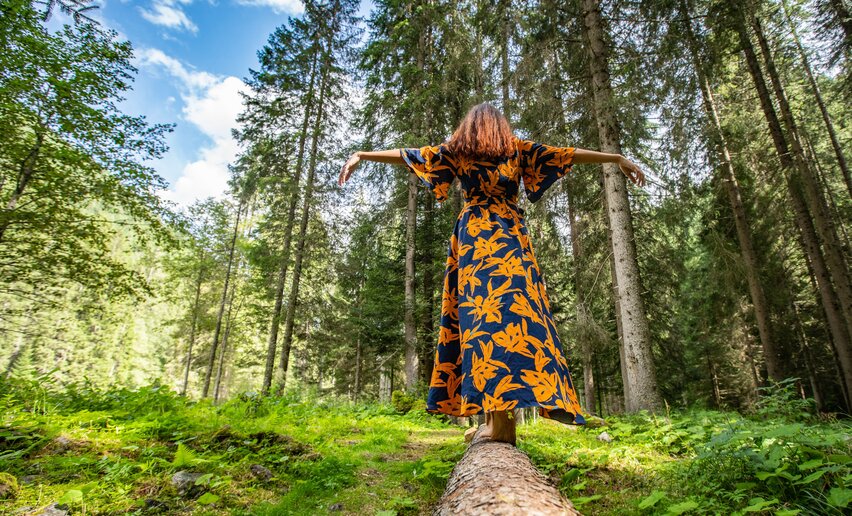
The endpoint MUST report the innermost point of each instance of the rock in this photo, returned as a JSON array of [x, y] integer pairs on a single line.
[[336, 507], [260, 472], [605, 437], [8, 486], [184, 481], [28, 479], [54, 509], [62, 444]]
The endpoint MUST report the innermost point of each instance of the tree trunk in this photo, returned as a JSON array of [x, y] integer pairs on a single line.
[[385, 377], [822, 178], [26, 169], [358, 359], [619, 328], [194, 324], [357, 389], [210, 363], [583, 316], [426, 354], [275, 324], [20, 346], [774, 360], [412, 364], [519, 488], [826, 118], [229, 321], [505, 12], [823, 221], [636, 333], [409, 319], [714, 380], [830, 302], [303, 226]]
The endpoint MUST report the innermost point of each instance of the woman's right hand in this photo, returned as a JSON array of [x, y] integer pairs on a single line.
[[349, 167], [632, 171]]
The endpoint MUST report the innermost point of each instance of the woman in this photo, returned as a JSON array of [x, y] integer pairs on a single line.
[[498, 349]]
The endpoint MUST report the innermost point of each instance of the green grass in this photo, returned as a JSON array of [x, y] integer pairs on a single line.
[[115, 451]]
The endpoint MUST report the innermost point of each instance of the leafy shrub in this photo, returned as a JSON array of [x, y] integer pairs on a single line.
[[789, 464], [782, 400], [402, 402]]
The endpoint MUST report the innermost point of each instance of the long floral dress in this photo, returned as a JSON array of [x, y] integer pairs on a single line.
[[498, 348]]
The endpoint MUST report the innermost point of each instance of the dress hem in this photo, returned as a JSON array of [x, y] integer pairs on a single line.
[[556, 414]]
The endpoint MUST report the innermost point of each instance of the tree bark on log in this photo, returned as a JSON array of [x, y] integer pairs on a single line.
[[516, 488]]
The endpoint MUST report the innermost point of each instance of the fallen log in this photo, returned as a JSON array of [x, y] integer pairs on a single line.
[[498, 478]]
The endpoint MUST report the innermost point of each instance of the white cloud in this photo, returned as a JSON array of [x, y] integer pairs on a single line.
[[193, 79], [216, 109], [169, 14], [279, 6], [211, 104]]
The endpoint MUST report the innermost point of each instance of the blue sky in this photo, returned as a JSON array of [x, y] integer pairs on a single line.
[[192, 57]]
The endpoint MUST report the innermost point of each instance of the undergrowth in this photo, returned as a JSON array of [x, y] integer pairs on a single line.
[[118, 450], [779, 459], [108, 451]]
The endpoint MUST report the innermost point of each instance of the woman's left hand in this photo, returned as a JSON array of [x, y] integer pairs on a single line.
[[348, 167], [632, 171]]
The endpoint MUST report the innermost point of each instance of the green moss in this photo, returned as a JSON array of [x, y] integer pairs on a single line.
[[8, 486]]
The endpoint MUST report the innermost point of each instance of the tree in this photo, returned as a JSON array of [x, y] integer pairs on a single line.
[[640, 383], [67, 154]]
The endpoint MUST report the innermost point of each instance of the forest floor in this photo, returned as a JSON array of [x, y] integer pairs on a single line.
[[149, 451]]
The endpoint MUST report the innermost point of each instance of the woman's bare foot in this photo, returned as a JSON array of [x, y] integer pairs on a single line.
[[499, 426]]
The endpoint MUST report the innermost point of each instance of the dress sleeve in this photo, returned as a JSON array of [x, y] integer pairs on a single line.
[[542, 166], [432, 166]]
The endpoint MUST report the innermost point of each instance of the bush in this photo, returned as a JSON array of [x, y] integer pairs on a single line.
[[782, 400], [402, 402], [790, 463]]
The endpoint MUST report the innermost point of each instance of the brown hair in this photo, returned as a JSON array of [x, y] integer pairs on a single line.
[[483, 133]]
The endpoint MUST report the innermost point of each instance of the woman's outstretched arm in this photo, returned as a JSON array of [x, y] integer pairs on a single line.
[[384, 156], [628, 168]]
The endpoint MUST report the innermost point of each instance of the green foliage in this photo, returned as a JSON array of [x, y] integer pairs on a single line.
[[184, 457], [106, 448], [207, 499], [9, 487], [434, 472], [93, 444], [781, 400], [402, 401], [80, 171], [699, 461]]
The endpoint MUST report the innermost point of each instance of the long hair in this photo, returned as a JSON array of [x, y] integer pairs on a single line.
[[483, 133]]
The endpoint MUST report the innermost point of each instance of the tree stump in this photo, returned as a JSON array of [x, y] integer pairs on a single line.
[[498, 478]]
